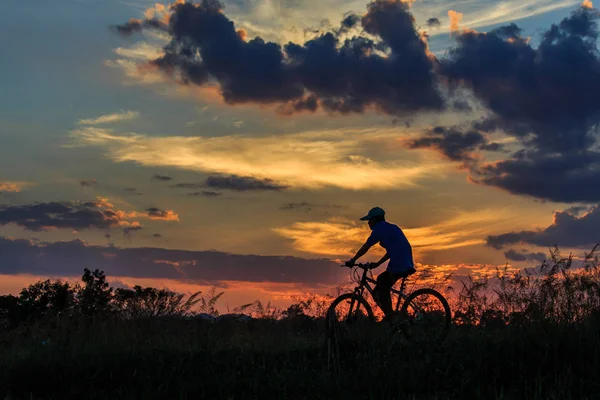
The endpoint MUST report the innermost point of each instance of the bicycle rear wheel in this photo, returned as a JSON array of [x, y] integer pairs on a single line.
[[429, 316]]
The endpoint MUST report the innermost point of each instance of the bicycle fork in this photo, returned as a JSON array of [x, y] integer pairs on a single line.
[[358, 292]]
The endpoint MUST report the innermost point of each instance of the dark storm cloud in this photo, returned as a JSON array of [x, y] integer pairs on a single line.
[[163, 178], [350, 21], [68, 258], [433, 22], [454, 144], [524, 255], [547, 97], [242, 183], [567, 230], [571, 177], [129, 28], [44, 216], [341, 76], [136, 25]]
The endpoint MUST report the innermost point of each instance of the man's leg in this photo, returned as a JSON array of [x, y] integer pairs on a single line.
[[381, 292]]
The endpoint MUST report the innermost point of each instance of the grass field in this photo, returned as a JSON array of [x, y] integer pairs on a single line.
[[514, 337], [183, 359]]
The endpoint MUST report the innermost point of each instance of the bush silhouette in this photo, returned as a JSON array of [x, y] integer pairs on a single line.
[[142, 302], [529, 334]]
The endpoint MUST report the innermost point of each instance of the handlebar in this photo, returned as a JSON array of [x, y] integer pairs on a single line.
[[359, 265]]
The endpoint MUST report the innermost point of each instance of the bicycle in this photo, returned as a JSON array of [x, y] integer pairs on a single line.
[[426, 313]]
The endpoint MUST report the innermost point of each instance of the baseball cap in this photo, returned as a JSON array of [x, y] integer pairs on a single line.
[[373, 212]]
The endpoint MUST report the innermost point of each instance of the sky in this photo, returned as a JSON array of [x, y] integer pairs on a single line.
[[237, 144]]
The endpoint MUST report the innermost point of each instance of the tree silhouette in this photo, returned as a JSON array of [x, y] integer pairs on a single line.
[[95, 296]]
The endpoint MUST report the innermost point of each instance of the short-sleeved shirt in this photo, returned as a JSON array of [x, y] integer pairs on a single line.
[[392, 239]]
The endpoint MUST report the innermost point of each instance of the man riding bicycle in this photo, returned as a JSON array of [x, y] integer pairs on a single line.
[[398, 251]]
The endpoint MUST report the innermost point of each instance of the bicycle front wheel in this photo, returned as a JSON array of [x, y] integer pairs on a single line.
[[428, 314], [347, 310], [346, 315]]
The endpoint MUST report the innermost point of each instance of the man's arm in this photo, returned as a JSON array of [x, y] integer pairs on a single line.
[[361, 252], [383, 259]]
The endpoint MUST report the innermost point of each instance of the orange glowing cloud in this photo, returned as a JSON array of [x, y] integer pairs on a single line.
[[340, 237], [587, 4], [304, 160], [455, 18], [110, 118], [166, 215], [10, 187], [152, 213]]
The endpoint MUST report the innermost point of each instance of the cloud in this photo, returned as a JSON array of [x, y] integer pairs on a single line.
[[10, 187], [231, 182], [433, 22], [455, 18], [67, 258], [548, 98], [309, 160], [164, 178], [567, 230], [242, 183], [91, 182], [63, 215], [164, 215], [497, 13], [98, 214], [130, 27], [567, 178], [393, 73], [110, 118], [342, 237], [587, 4], [205, 193], [305, 206], [524, 255], [546, 95], [133, 227], [454, 144]]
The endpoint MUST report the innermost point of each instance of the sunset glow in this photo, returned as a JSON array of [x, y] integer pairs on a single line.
[[189, 145]]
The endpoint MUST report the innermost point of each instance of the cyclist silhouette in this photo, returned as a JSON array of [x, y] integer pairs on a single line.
[[398, 251]]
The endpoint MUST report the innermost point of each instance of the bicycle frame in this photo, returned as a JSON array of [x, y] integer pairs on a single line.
[[364, 283]]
